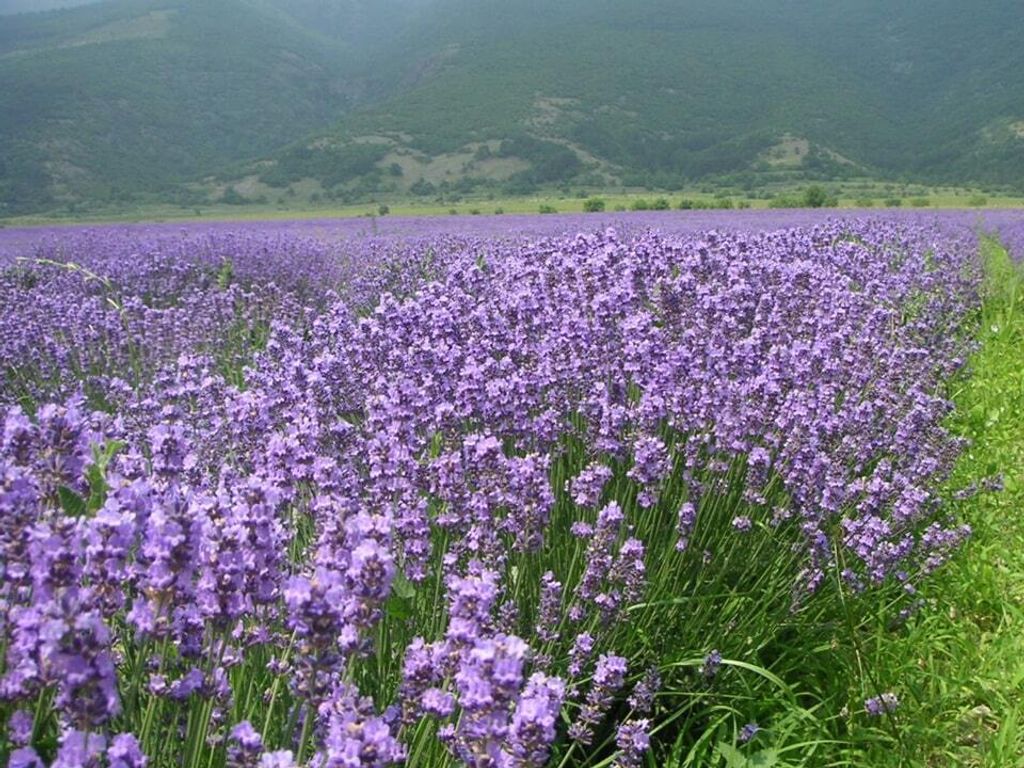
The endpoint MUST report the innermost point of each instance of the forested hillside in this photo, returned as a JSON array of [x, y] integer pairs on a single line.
[[128, 97]]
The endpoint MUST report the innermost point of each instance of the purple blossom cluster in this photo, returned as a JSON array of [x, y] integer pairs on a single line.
[[884, 704], [1009, 226], [296, 502]]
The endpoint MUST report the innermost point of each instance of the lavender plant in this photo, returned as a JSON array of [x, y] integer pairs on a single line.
[[458, 500]]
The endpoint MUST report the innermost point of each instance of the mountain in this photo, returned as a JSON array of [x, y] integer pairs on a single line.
[[127, 96], [673, 90], [32, 6], [145, 97]]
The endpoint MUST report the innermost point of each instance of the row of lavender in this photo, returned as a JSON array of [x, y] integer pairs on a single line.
[[456, 500], [103, 311], [1011, 233]]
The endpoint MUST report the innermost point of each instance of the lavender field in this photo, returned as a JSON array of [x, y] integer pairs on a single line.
[[486, 492]]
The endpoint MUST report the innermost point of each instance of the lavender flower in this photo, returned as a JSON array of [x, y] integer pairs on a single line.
[[633, 741], [687, 519], [742, 524], [80, 749], [533, 727], [609, 676], [711, 665], [356, 734], [246, 746], [25, 757], [641, 700], [886, 703], [124, 752]]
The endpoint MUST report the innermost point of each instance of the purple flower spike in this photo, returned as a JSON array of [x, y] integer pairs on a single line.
[[748, 732], [633, 740], [886, 703]]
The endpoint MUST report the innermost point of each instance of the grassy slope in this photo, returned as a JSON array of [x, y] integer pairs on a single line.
[[960, 668]]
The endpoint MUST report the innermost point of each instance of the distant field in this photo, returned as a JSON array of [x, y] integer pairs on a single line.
[[553, 203]]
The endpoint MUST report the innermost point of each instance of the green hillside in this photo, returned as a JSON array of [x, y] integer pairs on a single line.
[[676, 91], [150, 97], [137, 95]]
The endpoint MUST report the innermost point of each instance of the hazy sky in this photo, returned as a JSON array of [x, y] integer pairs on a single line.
[[19, 6]]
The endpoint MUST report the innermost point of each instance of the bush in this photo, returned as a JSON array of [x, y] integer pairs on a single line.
[[383, 210], [545, 208], [815, 197], [661, 204], [423, 188], [977, 201], [920, 202], [640, 205], [685, 204], [593, 205], [893, 202], [231, 196]]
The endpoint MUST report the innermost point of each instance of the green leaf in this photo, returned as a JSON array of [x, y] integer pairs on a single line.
[[766, 758], [96, 475], [436, 444], [225, 274], [398, 608], [402, 587], [733, 757], [97, 488], [72, 504]]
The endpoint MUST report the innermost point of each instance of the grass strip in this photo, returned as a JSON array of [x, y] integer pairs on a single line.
[[959, 666]]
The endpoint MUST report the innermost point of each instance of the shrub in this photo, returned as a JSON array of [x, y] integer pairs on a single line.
[[593, 205], [231, 196], [815, 197]]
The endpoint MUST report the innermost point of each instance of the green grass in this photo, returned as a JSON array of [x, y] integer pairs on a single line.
[[959, 668], [402, 206]]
